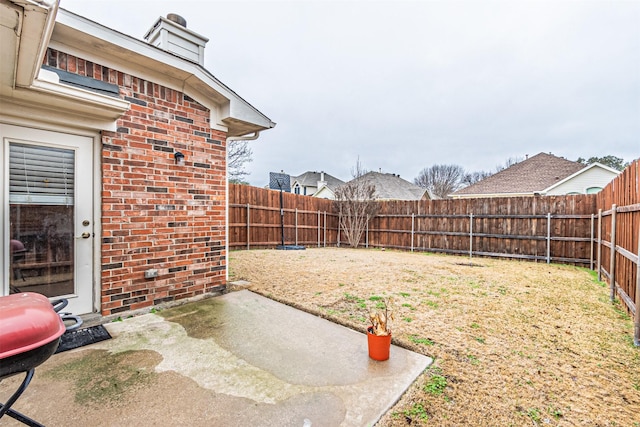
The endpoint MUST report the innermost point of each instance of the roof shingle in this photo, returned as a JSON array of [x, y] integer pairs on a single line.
[[529, 176], [390, 186]]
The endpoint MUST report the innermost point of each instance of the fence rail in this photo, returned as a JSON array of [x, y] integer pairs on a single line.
[[296, 233], [478, 236]]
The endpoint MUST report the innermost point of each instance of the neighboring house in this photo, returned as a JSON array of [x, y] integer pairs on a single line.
[[316, 184], [588, 180], [390, 186], [543, 175], [113, 160]]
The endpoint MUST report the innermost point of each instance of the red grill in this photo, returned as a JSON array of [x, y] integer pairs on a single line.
[[30, 331]]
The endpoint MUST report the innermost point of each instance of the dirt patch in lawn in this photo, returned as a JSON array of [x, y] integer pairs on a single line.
[[514, 343]]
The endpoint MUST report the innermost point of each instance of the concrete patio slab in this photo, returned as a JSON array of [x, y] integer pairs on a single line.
[[245, 360]]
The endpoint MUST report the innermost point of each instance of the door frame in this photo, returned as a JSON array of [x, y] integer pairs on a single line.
[[26, 125]]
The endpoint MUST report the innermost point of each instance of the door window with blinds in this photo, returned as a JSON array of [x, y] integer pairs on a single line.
[[41, 208]]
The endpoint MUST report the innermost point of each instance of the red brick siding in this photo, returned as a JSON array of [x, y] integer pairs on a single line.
[[156, 214]]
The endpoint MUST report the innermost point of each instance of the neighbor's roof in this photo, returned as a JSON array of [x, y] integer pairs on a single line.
[[533, 175], [390, 186], [310, 179]]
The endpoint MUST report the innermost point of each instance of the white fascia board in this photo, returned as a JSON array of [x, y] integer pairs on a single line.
[[605, 167], [94, 42], [493, 195], [323, 190], [80, 100], [37, 93], [580, 172], [37, 24], [57, 104]]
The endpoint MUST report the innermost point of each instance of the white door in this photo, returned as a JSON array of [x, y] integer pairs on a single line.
[[47, 180]]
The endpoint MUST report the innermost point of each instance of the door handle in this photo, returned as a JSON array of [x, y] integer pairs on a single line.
[[85, 235]]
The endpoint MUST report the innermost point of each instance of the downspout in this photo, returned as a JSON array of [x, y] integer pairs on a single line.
[[253, 137]]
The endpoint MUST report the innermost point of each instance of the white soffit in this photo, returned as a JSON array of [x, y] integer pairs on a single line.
[[27, 93], [24, 28]]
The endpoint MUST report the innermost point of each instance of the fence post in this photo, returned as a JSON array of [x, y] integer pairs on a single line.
[[338, 232], [366, 237], [318, 228], [296, 226], [248, 228], [591, 245], [470, 236], [412, 229], [612, 259], [636, 318], [599, 249], [549, 238], [325, 229]]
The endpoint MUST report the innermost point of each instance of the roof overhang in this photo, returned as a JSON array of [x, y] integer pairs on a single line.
[[492, 195], [25, 26], [29, 93], [94, 42], [29, 27], [612, 171]]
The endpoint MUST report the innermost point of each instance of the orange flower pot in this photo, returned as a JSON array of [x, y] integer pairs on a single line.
[[379, 345]]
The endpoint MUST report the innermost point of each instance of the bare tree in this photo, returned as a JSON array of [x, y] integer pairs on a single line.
[[508, 163], [356, 204], [238, 154], [441, 180], [473, 177], [470, 178]]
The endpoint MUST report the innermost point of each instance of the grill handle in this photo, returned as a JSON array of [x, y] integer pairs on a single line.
[[71, 321], [59, 304]]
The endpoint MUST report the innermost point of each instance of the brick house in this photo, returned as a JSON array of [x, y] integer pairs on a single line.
[[113, 161]]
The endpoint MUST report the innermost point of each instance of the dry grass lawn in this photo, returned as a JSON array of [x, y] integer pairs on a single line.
[[515, 343]]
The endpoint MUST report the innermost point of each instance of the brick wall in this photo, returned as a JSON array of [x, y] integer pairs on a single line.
[[156, 214]]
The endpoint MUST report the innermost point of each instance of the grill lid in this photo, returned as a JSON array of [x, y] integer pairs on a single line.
[[27, 321]]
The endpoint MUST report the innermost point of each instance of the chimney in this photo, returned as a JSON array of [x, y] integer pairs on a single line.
[[322, 182], [171, 34]]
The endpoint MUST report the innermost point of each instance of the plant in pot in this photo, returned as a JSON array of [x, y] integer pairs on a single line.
[[379, 332]]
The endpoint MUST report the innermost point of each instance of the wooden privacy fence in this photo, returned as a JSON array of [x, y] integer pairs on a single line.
[[618, 240], [558, 229], [255, 219]]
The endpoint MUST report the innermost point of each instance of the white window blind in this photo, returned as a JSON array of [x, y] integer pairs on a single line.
[[41, 175]]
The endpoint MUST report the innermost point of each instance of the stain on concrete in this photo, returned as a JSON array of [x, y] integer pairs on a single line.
[[203, 360], [253, 361], [99, 377], [200, 319]]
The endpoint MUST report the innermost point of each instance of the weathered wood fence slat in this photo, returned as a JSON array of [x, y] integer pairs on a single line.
[[482, 239], [618, 232]]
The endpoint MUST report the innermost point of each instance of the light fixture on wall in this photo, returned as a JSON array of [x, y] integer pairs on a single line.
[[179, 158]]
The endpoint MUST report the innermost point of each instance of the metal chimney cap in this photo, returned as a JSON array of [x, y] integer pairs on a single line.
[[174, 17]]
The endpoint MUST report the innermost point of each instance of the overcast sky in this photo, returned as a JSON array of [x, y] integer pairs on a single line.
[[406, 85]]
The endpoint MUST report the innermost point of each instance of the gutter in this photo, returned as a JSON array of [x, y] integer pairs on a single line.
[[253, 137]]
